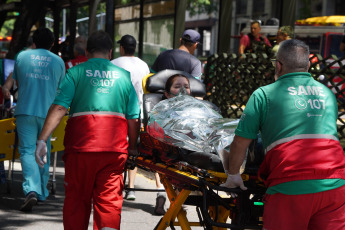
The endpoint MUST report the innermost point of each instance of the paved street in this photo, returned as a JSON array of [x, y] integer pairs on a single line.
[[48, 215]]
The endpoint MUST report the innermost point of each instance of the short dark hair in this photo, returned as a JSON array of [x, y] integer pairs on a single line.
[[256, 22], [294, 54], [99, 42], [128, 50], [187, 44], [128, 44], [79, 48], [170, 81], [43, 38]]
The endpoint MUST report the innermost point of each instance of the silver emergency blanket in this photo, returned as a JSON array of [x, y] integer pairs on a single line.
[[192, 124]]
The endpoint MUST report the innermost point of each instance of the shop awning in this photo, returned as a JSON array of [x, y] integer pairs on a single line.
[[334, 20]]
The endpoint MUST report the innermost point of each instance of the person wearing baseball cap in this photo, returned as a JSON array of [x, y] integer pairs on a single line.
[[128, 43], [191, 36], [138, 69], [181, 58]]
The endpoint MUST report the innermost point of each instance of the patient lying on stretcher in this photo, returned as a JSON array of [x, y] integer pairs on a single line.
[[193, 125]]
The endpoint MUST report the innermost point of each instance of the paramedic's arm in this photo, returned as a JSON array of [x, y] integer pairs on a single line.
[[8, 86], [238, 149], [235, 159], [55, 114], [133, 133]]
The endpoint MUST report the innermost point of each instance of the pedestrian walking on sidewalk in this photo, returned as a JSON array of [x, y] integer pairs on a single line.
[[38, 73], [138, 69]]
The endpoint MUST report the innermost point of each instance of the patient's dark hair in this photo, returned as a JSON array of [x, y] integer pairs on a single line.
[[170, 81]]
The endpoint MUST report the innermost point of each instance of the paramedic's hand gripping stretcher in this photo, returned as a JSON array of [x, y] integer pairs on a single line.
[[197, 136]]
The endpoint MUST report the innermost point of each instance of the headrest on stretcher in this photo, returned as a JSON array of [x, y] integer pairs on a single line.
[[156, 83]]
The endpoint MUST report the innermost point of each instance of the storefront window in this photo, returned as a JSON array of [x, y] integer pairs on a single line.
[[127, 13], [157, 29], [121, 29], [159, 9], [158, 36]]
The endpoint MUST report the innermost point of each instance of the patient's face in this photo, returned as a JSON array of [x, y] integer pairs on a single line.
[[178, 83]]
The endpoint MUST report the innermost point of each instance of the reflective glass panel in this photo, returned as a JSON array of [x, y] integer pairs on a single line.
[[127, 13], [159, 8], [121, 29], [158, 36]]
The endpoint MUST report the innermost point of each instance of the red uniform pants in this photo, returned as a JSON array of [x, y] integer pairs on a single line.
[[316, 211], [93, 178]]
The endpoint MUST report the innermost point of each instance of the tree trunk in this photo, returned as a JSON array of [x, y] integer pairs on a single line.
[[31, 12], [92, 15], [57, 18], [73, 25]]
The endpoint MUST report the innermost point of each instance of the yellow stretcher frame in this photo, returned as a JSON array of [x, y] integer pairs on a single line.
[[144, 82], [57, 145], [7, 137], [7, 145], [176, 216]]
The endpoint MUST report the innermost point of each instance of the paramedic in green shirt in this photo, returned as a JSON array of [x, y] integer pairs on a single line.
[[304, 165], [104, 111]]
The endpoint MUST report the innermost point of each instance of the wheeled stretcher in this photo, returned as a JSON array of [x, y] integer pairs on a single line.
[[214, 211], [183, 172]]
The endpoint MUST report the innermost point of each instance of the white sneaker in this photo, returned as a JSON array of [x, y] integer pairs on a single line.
[[130, 195]]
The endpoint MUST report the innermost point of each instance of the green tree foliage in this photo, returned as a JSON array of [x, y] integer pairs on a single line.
[[202, 6], [7, 28], [7, 20]]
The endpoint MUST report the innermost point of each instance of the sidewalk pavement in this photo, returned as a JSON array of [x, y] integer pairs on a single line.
[[136, 214]]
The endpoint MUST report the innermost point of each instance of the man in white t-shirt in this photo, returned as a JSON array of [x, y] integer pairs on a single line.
[[138, 69]]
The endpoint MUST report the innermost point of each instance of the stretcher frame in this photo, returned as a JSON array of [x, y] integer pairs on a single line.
[[9, 150], [57, 145], [213, 210]]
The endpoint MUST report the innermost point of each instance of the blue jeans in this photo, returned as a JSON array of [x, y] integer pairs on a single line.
[[34, 178]]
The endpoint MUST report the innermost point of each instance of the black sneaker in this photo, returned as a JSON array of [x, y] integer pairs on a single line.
[[29, 202], [160, 202]]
